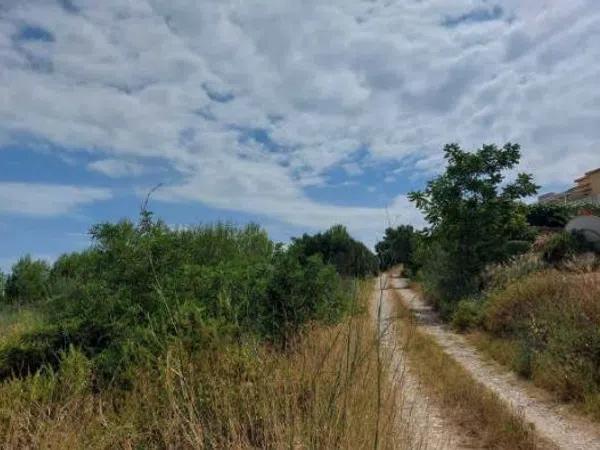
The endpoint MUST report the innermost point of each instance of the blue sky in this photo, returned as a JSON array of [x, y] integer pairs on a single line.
[[295, 115]]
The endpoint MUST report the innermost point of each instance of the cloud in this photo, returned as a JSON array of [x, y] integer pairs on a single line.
[[250, 105], [116, 168], [45, 200], [475, 15]]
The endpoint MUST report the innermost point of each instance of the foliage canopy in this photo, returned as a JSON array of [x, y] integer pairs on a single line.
[[335, 246], [396, 247], [473, 214], [141, 286], [27, 281]]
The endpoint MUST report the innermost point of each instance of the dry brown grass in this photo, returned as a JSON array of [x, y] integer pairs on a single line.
[[475, 409], [547, 328], [323, 394]]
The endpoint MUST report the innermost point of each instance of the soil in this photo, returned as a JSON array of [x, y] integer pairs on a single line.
[[429, 425]]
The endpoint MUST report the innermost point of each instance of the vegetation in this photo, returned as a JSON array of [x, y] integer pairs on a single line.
[[557, 215], [141, 286], [493, 265], [561, 246], [467, 315], [210, 337], [337, 247], [473, 217], [28, 281], [397, 247], [540, 314], [2, 287], [499, 276], [318, 394], [474, 408], [550, 321], [549, 215]]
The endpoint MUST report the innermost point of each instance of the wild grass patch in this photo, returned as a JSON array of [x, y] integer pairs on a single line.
[[550, 321], [322, 392]]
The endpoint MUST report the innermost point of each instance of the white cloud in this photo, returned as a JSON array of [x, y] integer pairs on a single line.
[[191, 81], [44, 200], [116, 168]]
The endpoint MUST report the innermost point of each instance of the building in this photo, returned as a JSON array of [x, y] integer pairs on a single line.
[[586, 190]]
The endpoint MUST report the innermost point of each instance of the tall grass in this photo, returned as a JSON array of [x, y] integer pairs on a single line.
[[547, 328], [322, 393]]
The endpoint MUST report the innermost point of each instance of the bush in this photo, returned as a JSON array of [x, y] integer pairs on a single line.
[[498, 276], [301, 291], [139, 287], [554, 320], [468, 315], [515, 248], [28, 282], [444, 281], [549, 215], [563, 245]]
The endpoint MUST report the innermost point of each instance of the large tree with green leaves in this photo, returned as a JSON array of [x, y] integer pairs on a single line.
[[473, 214], [396, 247], [336, 247]]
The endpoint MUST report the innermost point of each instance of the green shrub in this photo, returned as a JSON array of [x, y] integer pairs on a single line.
[[141, 286], [28, 281], [301, 291], [563, 245], [24, 355], [517, 247], [75, 375], [549, 214], [467, 315], [444, 281]]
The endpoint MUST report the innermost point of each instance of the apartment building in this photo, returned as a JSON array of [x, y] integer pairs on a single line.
[[586, 190]]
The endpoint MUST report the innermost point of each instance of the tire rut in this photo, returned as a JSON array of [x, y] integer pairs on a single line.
[[427, 423]]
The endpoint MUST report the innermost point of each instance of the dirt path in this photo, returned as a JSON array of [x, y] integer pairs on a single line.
[[426, 422], [553, 422]]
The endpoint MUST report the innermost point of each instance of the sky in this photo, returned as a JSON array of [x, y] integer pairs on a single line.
[[293, 114]]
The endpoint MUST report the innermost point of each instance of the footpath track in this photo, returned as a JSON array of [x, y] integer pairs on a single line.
[[429, 425], [553, 422]]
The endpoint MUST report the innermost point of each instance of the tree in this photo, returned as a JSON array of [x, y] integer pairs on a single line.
[[396, 247], [2, 286], [338, 248], [473, 215], [28, 281]]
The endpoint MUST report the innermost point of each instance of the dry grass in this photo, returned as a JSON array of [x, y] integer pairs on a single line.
[[323, 394], [547, 328], [476, 410]]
